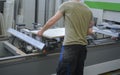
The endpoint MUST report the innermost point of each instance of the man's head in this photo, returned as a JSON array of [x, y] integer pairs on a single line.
[[75, 0]]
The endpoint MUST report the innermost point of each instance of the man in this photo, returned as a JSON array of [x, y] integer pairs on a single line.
[[78, 24]]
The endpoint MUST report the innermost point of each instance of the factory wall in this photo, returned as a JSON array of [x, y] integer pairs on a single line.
[[8, 16], [107, 9], [50, 8], [28, 12], [41, 12], [46, 9]]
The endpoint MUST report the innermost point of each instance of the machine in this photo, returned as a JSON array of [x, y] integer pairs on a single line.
[[39, 56]]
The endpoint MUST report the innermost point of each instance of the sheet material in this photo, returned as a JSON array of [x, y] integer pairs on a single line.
[[52, 33], [60, 32]]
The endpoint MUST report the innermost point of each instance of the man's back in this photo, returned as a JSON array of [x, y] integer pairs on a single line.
[[77, 18]]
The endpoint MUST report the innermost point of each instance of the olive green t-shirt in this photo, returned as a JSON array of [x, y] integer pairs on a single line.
[[77, 17]]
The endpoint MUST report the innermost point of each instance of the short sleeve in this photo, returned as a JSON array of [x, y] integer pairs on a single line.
[[62, 7]]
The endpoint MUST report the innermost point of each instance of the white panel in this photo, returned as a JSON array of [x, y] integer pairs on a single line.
[[60, 32], [112, 16], [52, 33]]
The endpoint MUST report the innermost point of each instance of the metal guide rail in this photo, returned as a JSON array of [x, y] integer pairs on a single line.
[[27, 39], [52, 39]]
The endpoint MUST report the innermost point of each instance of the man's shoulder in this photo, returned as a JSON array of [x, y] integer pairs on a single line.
[[67, 2]]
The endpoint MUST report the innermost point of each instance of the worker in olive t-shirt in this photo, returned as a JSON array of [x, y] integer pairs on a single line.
[[78, 24]]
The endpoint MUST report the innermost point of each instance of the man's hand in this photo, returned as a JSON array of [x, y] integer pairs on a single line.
[[90, 31], [40, 33]]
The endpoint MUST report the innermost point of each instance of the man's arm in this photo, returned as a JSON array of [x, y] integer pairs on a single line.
[[90, 30], [50, 22]]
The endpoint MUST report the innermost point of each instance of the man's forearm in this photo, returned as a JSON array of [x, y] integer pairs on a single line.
[[90, 31], [47, 25], [50, 22]]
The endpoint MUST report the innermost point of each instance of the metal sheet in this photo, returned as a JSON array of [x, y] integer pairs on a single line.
[[26, 38]]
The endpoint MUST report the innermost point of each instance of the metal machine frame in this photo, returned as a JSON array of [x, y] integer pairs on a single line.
[[103, 56]]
